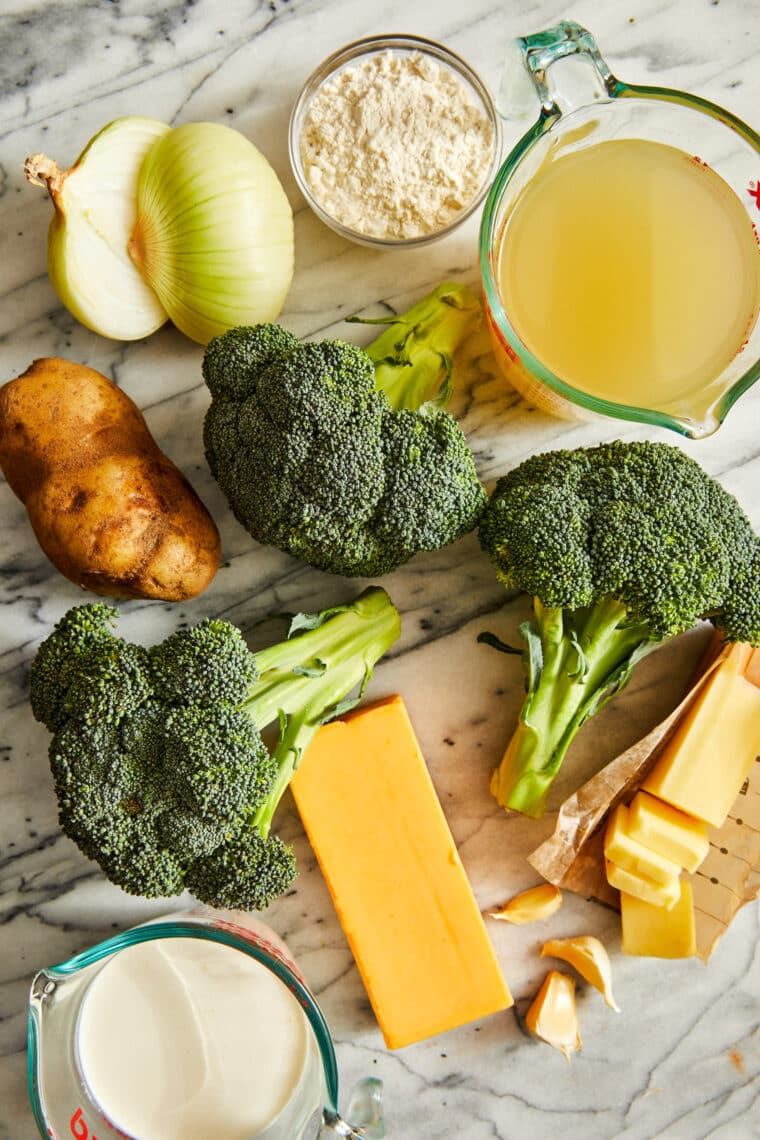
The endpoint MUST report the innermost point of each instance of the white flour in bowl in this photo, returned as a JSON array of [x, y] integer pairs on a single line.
[[395, 146]]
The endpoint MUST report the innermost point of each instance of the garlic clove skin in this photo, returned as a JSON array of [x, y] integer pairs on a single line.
[[588, 956], [214, 230], [530, 906], [95, 211], [553, 1016]]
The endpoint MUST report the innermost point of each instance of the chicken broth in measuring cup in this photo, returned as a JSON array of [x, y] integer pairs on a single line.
[[619, 245], [631, 270]]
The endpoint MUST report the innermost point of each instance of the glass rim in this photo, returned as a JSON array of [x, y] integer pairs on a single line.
[[487, 240], [370, 45]]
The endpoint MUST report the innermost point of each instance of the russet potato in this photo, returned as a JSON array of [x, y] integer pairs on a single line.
[[109, 510]]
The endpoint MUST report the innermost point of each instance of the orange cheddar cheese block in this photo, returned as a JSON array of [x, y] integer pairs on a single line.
[[704, 765], [657, 932], [373, 818], [641, 887], [620, 848], [672, 833]]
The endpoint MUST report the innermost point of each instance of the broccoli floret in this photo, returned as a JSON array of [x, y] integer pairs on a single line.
[[131, 858], [190, 833], [245, 874], [167, 783], [87, 667], [219, 765], [208, 664], [622, 546], [234, 361], [344, 457], [94, 777]]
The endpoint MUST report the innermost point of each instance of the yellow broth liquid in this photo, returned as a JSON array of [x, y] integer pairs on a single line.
[[632, 272]]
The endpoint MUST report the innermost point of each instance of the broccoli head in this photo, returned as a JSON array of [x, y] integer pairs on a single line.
[[160, 770], [622, 546], [343, 457]]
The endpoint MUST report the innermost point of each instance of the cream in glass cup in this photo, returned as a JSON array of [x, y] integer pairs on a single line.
[[192, 1026]]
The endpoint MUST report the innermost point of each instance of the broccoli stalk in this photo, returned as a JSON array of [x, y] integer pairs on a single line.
[[303, 682], [622, 547], [575, 663], [160, 769], [414, 357]]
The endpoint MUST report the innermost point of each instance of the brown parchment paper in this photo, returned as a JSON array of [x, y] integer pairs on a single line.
[[729, 877]]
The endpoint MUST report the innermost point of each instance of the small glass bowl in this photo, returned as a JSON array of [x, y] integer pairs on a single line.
[[361, 49]]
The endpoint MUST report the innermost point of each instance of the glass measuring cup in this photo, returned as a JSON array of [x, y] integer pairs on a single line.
[[62, 1102], [581, 104]]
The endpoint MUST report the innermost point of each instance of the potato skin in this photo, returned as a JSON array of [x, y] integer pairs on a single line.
[[109, 509]]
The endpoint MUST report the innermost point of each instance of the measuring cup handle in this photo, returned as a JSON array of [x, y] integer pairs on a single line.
[[526, 73], [365, 1109]]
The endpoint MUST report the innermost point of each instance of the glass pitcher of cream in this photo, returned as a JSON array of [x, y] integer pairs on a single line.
[[194, 1026], [619, 245]]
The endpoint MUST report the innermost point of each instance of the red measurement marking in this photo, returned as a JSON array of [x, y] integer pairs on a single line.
[[79, 1128], [259, 940], [754, 192]]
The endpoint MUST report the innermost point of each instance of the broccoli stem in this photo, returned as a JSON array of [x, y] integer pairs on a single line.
[[587, 657], [305, 681], [290, 748], [413, 356]]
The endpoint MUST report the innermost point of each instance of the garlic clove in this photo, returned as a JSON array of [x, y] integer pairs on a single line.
[[95, 210], [214, 230], [588, 956], [531, 905], [553, 1016]]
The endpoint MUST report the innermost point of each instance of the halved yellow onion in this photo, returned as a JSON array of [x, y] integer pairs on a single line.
[[95, 212], [153, 222], [214, 230]]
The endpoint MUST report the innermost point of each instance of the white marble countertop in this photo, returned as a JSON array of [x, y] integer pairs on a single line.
[[682, 1060]]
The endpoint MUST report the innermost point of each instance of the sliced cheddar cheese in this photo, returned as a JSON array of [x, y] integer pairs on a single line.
[[668, 831], [656, 932], [371, 813], [633, 856], [656, 894], [705, 764]]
